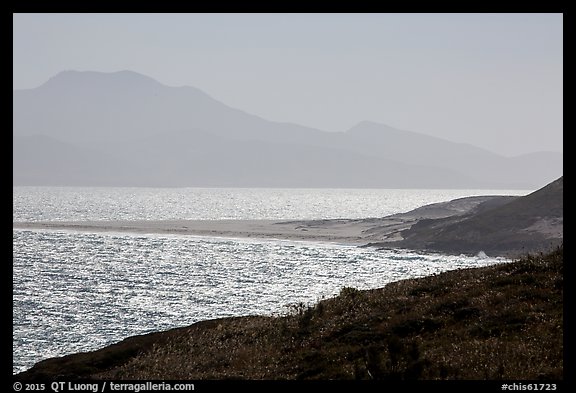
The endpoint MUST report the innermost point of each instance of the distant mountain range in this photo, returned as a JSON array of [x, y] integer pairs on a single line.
[[126, 129]]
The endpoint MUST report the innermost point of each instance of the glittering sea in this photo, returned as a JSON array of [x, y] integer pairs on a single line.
[[79, 291]]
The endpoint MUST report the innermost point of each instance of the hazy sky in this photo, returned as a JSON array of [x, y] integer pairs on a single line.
[[493, 80]]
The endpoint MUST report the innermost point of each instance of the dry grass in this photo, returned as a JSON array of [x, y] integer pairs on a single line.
[[498, 322]]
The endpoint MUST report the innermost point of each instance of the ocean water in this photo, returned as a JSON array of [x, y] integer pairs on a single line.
[[79, 291]]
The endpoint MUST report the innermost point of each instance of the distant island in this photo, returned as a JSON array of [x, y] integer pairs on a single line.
[[126, 129], [497, 322]]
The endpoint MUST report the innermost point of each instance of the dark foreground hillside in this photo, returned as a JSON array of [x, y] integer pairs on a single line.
[[498, 322]]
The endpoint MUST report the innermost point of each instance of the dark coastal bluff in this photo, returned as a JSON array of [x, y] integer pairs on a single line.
[[500, 226]]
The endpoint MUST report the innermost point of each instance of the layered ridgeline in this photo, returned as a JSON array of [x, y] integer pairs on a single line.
[[123, 128]]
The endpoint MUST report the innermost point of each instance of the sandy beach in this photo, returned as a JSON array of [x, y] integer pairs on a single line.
[[344, 231], [338, 231]]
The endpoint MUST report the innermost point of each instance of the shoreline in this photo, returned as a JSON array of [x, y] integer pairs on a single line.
[[421, 319], [348, 232], [422, 314], [506, 226], [345, 231]]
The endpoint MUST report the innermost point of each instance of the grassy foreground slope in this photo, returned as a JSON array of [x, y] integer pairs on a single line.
[[498, 322]]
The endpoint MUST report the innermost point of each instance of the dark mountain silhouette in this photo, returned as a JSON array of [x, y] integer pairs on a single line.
[[525, 224], [124, 128]]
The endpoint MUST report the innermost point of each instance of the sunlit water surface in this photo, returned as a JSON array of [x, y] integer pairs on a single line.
[[79, 291]]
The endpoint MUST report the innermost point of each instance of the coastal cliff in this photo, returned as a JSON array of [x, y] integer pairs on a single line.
[[508, 227]]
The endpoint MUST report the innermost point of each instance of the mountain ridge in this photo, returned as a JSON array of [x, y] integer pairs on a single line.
[[112, 112]]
